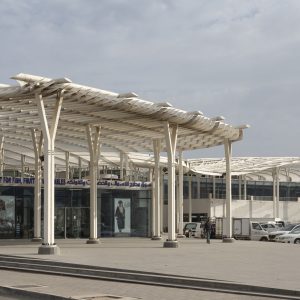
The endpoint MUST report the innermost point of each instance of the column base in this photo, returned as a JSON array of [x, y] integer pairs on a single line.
[[228, 240], [181, 236], [93, 241], [36, 239], [49, 249], [156, 238], [171, 244]]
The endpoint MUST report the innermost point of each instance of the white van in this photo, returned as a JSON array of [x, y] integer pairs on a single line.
[[193, 229], [244, 228]]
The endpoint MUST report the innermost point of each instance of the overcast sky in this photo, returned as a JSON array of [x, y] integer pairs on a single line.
[[238, 58]]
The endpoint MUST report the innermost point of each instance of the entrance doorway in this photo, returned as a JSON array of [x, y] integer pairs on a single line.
[[72, 222]]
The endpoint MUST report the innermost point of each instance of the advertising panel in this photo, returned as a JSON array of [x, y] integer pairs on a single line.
[[122, 209], [7, 215]]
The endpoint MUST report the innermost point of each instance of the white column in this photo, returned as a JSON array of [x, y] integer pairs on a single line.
[[190, 198], [274, 173], [1, 155], [79, 167], [121, 165], [22, 167], [176, 203], [228, 219], [245, 188], [251, 207], [180, 195], [156, 199], [210, 204], [37, 147], [49, 134], [277, 192], [127, 168], [94, 148], [240, 187], [67, 160], [151, 179], [214, 188], [161, 200], [171, 140]]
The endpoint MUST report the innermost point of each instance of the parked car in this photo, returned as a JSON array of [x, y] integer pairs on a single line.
[[292, 237], [193, 230], [288, 228], [269, 227]]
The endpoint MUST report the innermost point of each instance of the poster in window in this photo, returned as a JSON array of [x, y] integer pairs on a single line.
[[7, 215], [122, 215]]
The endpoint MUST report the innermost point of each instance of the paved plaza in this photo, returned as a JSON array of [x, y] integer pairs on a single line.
[[262, 264]]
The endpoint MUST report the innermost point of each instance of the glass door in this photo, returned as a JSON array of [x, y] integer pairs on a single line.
[[60, 224], [77, 222]]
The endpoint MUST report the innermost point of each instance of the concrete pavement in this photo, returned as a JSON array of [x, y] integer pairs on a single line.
[[259, 264]]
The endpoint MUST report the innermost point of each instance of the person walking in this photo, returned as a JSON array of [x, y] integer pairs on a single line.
[[207, 228]]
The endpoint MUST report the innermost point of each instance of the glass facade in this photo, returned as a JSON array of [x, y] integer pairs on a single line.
[[260, 190], [72, 212], [121, 211]]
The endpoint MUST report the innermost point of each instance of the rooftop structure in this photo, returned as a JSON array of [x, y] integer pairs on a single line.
[[45, 117]]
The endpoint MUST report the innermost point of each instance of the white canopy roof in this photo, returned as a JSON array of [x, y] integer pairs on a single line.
[[128, 123], [256, 168]]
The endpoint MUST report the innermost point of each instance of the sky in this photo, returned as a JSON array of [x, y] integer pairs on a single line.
[[239, 59]]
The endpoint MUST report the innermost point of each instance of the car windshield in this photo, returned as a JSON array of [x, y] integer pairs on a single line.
[[288, 227], [295, 230], [190, 226]]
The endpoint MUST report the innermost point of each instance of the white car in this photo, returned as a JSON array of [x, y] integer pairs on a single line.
[[292, 237], [287, 229], [269, 227]]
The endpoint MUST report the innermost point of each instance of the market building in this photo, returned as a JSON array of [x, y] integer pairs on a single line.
[[75, 177]]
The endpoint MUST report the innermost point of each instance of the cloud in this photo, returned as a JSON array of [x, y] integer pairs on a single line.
[[235, 58]]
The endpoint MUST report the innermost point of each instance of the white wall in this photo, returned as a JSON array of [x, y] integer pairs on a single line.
[[288, 210]]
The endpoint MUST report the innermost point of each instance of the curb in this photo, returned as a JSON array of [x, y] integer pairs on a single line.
[[22, 264], [10, 291]]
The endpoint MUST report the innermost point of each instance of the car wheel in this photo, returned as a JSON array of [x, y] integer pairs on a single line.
[[297, 241], [264, 239]]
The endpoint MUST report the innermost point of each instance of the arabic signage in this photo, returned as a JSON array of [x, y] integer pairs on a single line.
[[83, 182]]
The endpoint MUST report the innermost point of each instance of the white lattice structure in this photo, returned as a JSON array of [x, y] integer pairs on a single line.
[[254, 168], [55, 117]]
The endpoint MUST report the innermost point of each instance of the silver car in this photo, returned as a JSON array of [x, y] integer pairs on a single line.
[[288, 228]]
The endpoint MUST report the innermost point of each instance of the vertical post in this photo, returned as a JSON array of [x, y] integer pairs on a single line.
[[79, 167], [156, 191], [245, 187], [67, 160], [210, 202], [251, 207], [180, 195], [22, 167], [161, 200], [49, 134], [228, 219], [274, 172], [240, 187], [121, 165], [151, 179], [190, 197], [127, 168], [176, 203], [1, 155], [277, 192], [171, 140], [214, 188], [94, 148], [37, 147]]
